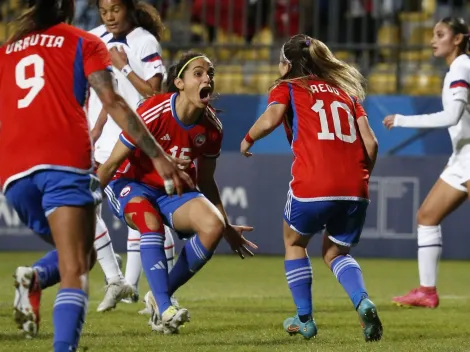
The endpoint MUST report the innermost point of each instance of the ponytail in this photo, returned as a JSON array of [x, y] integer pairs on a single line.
[[147, 17]]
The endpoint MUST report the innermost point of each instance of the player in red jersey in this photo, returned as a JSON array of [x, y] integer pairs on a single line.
[[317, 99], [186, 127], [45, 153]]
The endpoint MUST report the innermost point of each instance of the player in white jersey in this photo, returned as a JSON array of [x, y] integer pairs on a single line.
[[450, 41], [131, 32]]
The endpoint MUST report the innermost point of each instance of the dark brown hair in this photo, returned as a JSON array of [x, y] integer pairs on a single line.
[[458, 26]]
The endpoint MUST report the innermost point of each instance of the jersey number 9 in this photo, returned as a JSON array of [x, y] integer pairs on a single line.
[[35, 83], [325, 133]]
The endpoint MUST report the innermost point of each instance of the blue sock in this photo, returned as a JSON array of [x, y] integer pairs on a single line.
[[192, 258], [155, 266], [349, 274], [69, 315], [47, 269], [299, 278]]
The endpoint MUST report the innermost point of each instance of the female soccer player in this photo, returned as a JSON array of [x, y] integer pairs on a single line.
[[450, 41], [131, 31], [317, 99], [43, 78], [187, 128]]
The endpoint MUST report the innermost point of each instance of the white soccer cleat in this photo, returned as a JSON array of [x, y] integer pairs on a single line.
[[170, 321], [115, 292], [27, 300]]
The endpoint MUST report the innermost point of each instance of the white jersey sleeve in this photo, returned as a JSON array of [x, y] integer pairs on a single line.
[[454, 96], [150, 56]]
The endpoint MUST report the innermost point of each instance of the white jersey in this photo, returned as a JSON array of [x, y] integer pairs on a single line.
[[143, 53], [457, 88]]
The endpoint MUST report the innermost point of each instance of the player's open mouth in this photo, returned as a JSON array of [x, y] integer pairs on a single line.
[[205, 94]]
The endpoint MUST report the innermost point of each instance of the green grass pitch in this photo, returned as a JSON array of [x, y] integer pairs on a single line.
[[240, 305]]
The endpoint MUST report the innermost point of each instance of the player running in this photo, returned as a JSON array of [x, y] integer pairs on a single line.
[[131, 31], [450, 41], [45, 68], [186, 127], [317, 99]]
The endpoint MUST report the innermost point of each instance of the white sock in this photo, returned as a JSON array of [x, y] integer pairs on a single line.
[[170, 251], [105, 251], [429, 252], [134, 263]]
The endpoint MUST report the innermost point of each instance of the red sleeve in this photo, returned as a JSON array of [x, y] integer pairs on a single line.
[[359, 109], [95, 56], [280, 94]]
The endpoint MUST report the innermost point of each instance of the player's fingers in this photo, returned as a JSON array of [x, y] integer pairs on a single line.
[[169, 186], [251, 244], [245, 228], [186, 178], [240, 254], [178, 184], [247, 251]]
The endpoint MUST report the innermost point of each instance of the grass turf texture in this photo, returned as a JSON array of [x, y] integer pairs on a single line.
[[240, 305]]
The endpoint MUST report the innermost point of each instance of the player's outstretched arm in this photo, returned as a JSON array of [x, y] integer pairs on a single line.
[[122, 114], [107, 170], [369, 140], [233, 234], [266, 123]]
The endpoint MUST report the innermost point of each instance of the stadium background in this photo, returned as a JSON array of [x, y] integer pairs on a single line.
[[388, 40]]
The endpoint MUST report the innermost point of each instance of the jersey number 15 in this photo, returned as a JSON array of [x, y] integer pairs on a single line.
[[35, 83], [325, 133]]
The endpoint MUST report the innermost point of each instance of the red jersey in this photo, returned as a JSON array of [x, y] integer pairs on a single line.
[[43, 84], [330, 161], [181, 141]]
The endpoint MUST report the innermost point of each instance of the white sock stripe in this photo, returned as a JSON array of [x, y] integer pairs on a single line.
[[70, 299], [196, 249], [306, 272], [85, 306], [299, 278], [345, 264], [71, 294], [153, 239], [298, 269]]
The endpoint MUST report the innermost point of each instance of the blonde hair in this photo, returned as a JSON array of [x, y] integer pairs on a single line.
[[311, 57]]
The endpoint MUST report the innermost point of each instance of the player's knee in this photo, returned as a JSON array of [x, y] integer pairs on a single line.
[[143, 216], [73, 270], [212, 230], [427, 216]]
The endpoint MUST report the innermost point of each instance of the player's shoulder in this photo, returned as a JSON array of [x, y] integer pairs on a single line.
[[156, 103], [140, 37], [100, 32], [461, 63]]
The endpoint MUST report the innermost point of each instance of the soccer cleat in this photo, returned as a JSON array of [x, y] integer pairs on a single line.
[[170, 321], [115, 292], [27, 301], [418, 297], [134, 298], [371, 324], [294, 326]]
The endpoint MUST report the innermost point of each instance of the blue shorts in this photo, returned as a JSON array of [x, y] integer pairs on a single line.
[[36, 196], [342, 219], [119, 192]]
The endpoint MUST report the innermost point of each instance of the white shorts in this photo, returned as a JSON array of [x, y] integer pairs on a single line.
[[456, 174]]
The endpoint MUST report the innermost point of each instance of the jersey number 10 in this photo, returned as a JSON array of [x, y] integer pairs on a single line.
[[35, 83], [325, 133]]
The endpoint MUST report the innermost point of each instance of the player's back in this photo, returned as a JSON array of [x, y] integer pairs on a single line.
[[330, 161], [43, 85]]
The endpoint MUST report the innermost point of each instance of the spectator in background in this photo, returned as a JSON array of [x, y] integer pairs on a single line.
[[86, 15]]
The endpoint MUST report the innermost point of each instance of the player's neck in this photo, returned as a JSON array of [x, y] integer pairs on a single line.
[[450, 59], [186, 112], [124, 33]]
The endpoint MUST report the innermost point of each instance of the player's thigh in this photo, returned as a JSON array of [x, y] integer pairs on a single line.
[[69, 201], [141, 214], [304, 218], [193, 213], [25, 197], [445, 196], [345, 225]]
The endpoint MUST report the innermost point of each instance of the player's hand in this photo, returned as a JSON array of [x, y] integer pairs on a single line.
[[233, 234], [183, 164], [173, 177], [389, 121], [118, 57], [245, 147]]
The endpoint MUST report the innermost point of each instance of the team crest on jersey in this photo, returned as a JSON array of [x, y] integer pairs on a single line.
[[125, 191], [199, 140]]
